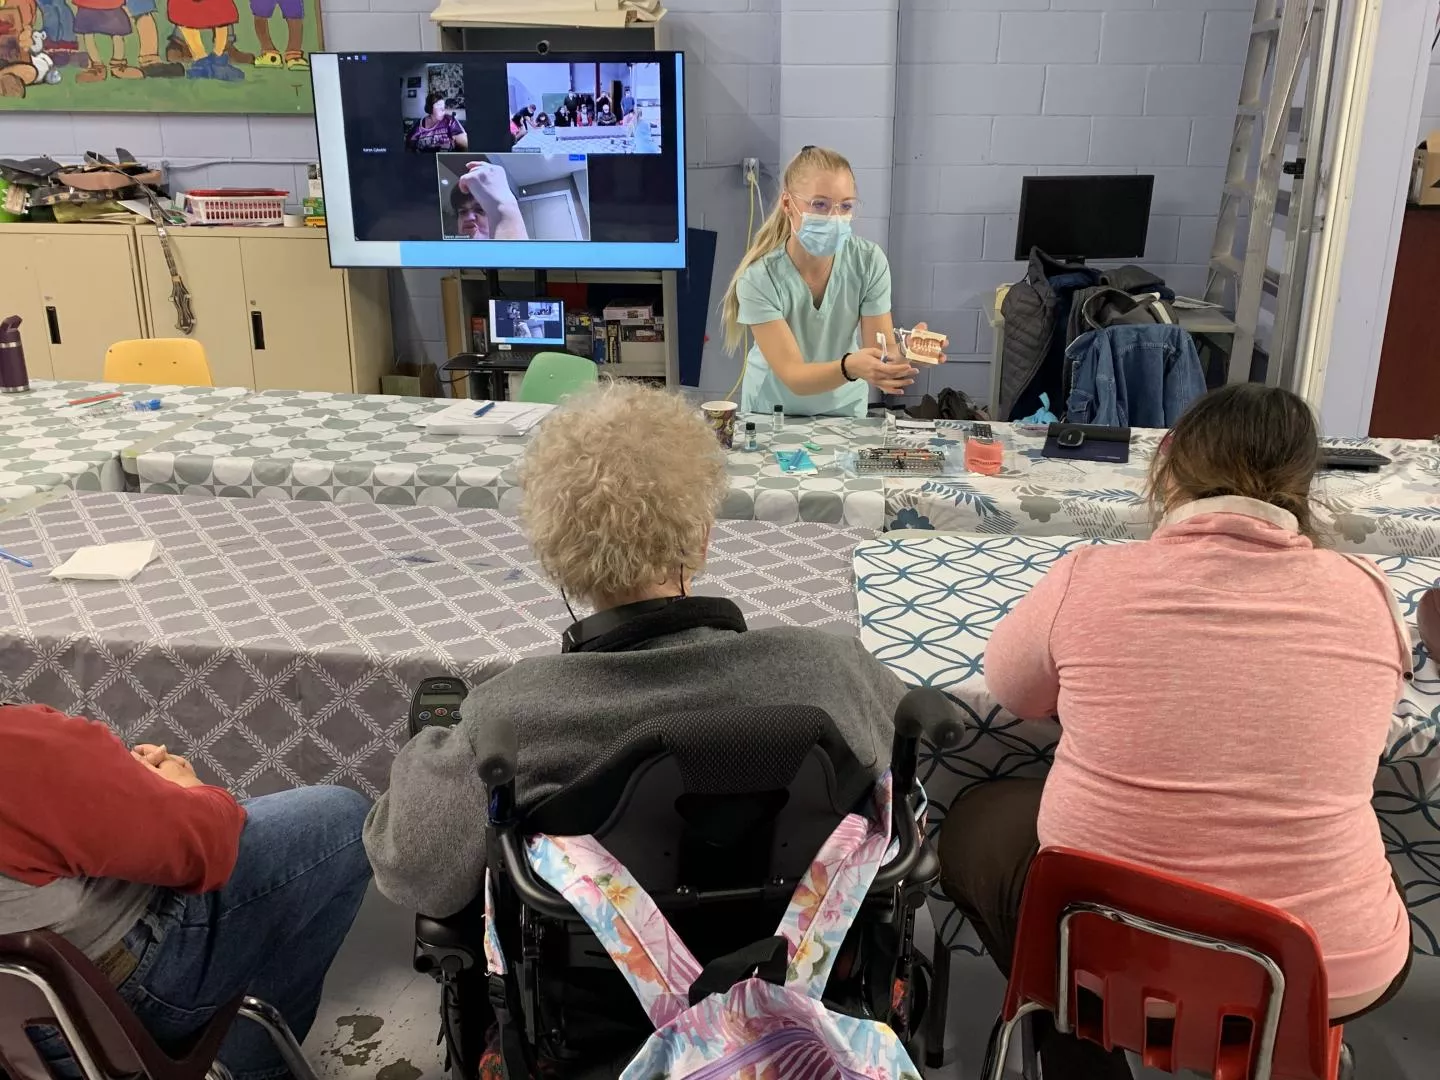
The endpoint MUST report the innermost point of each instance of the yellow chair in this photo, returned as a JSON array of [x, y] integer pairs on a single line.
[[161, 361]]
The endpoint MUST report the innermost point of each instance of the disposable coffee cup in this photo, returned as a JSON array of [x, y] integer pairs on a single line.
[[721, 416]]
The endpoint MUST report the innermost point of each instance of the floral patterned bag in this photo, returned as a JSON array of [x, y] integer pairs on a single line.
[[757, 1030]]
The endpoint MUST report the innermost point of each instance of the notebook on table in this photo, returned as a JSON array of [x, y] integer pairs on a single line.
[[511, 419]]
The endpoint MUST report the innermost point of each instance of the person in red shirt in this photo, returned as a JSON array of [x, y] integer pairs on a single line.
[[182, 896]]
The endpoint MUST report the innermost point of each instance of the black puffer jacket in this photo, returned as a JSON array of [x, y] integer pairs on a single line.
[[1036, 312]]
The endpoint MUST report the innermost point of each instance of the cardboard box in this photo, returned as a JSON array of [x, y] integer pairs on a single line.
[[629, 313], [1425, 188], [643, 359]]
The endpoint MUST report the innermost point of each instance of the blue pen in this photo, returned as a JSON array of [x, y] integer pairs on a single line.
[[483, 409], [17, 559]]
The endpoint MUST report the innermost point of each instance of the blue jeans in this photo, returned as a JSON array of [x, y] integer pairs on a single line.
[[271, 931]]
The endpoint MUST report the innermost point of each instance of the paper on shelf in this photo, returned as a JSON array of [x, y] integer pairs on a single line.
[[108, 562]]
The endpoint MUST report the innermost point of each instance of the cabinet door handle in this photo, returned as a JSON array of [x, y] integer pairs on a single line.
[[53, 318], [257, 329]]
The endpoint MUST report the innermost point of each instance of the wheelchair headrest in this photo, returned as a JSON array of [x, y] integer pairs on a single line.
[[723, 751]]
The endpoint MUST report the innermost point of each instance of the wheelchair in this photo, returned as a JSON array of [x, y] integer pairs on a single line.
[[717, 814]]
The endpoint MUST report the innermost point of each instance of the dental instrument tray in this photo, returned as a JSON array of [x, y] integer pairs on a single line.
[[889, 460]]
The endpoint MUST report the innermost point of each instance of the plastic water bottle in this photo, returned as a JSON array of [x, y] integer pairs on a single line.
[[777, 419]]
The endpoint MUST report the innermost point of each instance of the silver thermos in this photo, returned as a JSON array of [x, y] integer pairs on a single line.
[[14, 379]]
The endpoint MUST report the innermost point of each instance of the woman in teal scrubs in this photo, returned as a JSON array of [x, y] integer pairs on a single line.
[[815, 297]]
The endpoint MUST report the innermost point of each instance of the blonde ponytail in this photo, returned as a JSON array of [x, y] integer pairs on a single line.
[[774, 232]]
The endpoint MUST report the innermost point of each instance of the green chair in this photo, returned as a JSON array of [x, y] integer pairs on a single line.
[[554, 375]]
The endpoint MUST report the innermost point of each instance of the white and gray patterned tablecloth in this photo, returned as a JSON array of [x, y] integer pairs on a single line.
[[1395, 511], [927, 606], [760, 489], [323, 447], [278, 643], [48, 444], [285, 444]]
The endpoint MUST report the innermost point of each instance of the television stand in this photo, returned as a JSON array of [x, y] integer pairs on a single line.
[[465, 296], [488, 375]]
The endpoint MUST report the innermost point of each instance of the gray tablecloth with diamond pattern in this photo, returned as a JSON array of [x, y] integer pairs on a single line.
[[927, 606], [1395, 511], [47, 444], [277, 643], [285, 444]]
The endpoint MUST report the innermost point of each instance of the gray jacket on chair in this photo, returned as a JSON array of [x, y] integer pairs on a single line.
[[426, 835]]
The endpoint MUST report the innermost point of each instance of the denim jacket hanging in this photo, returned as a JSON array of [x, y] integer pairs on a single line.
[[1132, 376]]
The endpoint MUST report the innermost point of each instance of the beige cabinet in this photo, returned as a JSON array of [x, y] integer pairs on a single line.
[[269, 309], [210, 268], [76, 289]]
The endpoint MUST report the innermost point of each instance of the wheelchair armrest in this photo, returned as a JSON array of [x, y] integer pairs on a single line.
[[445, 946], [929, 714], [925, 712], [497, 751]]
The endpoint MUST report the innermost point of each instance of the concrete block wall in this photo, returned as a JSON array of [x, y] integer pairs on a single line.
[[993, 90], [942, 105]]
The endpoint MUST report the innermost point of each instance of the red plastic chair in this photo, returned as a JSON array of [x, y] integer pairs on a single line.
[[45, 981], [1091, 925]]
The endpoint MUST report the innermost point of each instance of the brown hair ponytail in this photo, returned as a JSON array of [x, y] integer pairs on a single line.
[[1249, 440]]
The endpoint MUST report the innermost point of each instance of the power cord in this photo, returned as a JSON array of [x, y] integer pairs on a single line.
[[753, 183]]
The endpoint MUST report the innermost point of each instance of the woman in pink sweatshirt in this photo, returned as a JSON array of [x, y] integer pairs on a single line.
[[1224, 691]]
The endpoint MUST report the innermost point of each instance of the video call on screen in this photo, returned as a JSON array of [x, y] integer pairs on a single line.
[[568, 147]]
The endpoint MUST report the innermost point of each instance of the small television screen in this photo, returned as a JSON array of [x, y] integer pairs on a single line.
[[527, 322], [1084, 217], [500, 160]]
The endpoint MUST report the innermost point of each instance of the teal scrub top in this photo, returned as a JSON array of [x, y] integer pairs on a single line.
[[771, 288]]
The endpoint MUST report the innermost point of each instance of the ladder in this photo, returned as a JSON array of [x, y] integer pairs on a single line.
[[1292, 49]]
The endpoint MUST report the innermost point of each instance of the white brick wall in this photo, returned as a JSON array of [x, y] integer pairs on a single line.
[[1096, 86], [942, 105]]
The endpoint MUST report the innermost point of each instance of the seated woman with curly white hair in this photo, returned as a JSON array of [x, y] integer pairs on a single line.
[[620, 491]]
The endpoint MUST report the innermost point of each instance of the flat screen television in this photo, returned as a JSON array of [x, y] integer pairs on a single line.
[[503, 160]]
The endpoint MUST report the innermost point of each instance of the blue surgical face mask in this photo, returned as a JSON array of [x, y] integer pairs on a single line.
[[823, 234]]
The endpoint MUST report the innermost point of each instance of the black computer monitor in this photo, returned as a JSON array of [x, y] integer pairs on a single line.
[[1084, 217], [527, 322]]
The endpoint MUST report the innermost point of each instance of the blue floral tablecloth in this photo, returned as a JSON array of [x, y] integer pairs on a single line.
[[927, 605], [1395, 511]]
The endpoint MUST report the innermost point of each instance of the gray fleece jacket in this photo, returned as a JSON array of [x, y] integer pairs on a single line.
[[426, 835]]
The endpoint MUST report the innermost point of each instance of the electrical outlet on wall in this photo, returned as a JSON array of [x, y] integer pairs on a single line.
[[750, 170]]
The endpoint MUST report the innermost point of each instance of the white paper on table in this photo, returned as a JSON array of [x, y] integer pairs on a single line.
[[502, 418], [108, 562]]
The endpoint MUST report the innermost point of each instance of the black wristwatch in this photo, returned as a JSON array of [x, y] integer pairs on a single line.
[[843, 370]]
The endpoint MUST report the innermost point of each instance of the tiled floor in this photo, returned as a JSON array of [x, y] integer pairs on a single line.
[[379, 1019]]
